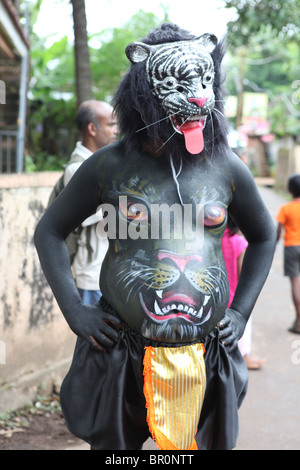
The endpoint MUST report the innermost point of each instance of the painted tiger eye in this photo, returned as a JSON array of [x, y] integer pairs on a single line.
[[214, 215]]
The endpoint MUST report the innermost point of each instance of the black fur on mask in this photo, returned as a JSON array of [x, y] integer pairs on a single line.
[[137, 107]]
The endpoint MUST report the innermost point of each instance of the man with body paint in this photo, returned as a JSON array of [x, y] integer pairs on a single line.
[[158, 354]]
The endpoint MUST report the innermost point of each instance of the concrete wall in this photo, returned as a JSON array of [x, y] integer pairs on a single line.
[[36, 344]]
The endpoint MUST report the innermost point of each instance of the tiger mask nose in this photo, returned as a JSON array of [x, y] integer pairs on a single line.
[[198, 101], [180, 261]]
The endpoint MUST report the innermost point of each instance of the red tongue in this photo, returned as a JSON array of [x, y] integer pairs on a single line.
[[193, 136]]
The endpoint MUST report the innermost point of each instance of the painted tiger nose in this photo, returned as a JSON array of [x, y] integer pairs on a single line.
[[198, 101], [181, 261]]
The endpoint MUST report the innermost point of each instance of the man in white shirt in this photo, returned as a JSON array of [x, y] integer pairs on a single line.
[[98, 127]]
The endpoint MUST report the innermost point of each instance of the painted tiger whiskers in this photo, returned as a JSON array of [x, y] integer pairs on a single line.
[[179, 283]]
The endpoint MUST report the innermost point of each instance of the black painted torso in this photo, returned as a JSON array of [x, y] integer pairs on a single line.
[[172, 288]]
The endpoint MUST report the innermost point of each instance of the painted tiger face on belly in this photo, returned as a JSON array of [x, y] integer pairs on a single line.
[[181, 76], [169, 278]]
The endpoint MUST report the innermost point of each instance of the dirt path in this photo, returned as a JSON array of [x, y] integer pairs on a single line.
[[38, 427]]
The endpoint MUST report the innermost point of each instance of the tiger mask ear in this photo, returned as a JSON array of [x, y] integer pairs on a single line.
[[208, 41], [139, 51]]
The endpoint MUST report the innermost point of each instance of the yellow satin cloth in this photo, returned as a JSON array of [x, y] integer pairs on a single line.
[[174, 387]]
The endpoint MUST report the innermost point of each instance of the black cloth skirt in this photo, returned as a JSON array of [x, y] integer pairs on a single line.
[[103, 402]]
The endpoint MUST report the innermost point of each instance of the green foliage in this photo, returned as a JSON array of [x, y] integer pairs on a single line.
[[267, 53], [43, 161], [109, 62], [52, 85], [258, 16], [52, 68]]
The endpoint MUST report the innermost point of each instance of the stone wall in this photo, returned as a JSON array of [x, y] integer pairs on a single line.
[[36, 343]]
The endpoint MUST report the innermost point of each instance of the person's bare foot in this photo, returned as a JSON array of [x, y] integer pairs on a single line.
[[254, 363]]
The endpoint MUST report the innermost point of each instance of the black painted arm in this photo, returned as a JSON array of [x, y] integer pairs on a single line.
[[254, 220], [78, 200]]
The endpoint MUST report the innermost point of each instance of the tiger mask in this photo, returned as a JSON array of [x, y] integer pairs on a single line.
[[172, 97], [181, 76]]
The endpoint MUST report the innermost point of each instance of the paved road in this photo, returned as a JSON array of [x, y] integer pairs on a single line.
[[270, 414]]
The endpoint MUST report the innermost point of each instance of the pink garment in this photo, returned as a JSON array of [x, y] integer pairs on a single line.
[[232, 247]]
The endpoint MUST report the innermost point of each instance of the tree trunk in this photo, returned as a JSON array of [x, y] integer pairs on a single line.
[[82, 56]]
